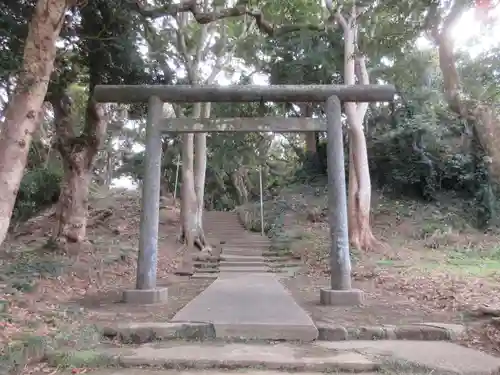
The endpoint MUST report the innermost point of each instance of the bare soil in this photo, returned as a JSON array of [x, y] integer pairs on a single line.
[[435, 268], [49, 297], [380, 307]]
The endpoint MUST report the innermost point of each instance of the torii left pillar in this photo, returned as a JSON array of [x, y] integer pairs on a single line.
[[146, 291]]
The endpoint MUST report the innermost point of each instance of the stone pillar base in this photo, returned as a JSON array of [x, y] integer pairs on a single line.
[[332, 297], [145, 296]]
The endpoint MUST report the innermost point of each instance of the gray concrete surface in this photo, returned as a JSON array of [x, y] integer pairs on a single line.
[[387, 357], [145, 296], [241, 356], [331, 297], [135, 371], [435, 356], [242, 258], [250, 306], [242, 263], [247, 269]]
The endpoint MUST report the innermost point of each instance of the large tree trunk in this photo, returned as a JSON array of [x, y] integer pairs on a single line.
[[21, 115], [486, 121], [78, 155], [200, 168], [359, 194], [72, 207], [193, 185]]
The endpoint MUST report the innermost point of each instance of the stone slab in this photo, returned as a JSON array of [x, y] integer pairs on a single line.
[[248, 269], [387, 357], [145, 296], [284, 357], [250, 306], [143, 371], [244, 243], [426, 356], [417, 331], [330, 297], [243, 263], [242, 258], [203, 275], [241, 252]]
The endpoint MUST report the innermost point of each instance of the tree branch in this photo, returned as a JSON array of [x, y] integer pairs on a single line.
[[341, 19], [207, 17], [364, 79]]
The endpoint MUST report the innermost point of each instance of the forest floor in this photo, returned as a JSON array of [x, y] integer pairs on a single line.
[[435, 264], [50, 298], [435, 267]]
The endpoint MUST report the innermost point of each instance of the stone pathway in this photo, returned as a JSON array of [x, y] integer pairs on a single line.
[[250, 306], [246, 301], [385, 357], [241, 251], [254, 307]]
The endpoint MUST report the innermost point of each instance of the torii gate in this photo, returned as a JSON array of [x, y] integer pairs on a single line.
[[340, 291]]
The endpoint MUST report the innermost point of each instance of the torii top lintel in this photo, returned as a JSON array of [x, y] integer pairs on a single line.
[[127, 94]]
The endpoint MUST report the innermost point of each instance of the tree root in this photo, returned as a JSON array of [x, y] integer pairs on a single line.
[[366, 241], [199, 242]]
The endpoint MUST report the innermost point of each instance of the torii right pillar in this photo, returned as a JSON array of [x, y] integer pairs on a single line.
[[340, 292]]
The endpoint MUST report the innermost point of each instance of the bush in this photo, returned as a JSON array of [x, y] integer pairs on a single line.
[[39, 189]]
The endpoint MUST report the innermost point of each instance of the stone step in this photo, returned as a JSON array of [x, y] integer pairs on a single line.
[[249, 269], [229, 231], [242, 263], [279, 254], [203, 265], [244, 246], [205, 275], [238, 240], [246, 242], [206, 259], [289, 264], [213, 358], [206, 270], [275, 259], [238, 258], [241, 252]]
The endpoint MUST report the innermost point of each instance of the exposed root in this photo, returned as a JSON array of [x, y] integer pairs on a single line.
[[363, 239], [199, 241]]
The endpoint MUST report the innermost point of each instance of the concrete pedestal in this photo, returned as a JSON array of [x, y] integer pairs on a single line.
[[351, 297], [145, 296]]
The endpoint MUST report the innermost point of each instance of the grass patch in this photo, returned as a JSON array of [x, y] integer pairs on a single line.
[[28, 348], [23, 271], [89, 358], [485, 263], [470, 262]]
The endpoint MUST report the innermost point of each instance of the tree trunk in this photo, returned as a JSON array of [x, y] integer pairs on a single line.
[[193, 185], [200, 168], [21, 115], [484, 117], [72, 208], [359, 189], [78, 155]]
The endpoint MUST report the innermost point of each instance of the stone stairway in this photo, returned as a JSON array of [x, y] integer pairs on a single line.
[[241, 251]]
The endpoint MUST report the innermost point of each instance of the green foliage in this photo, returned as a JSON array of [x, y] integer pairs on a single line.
[[39, 189]]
